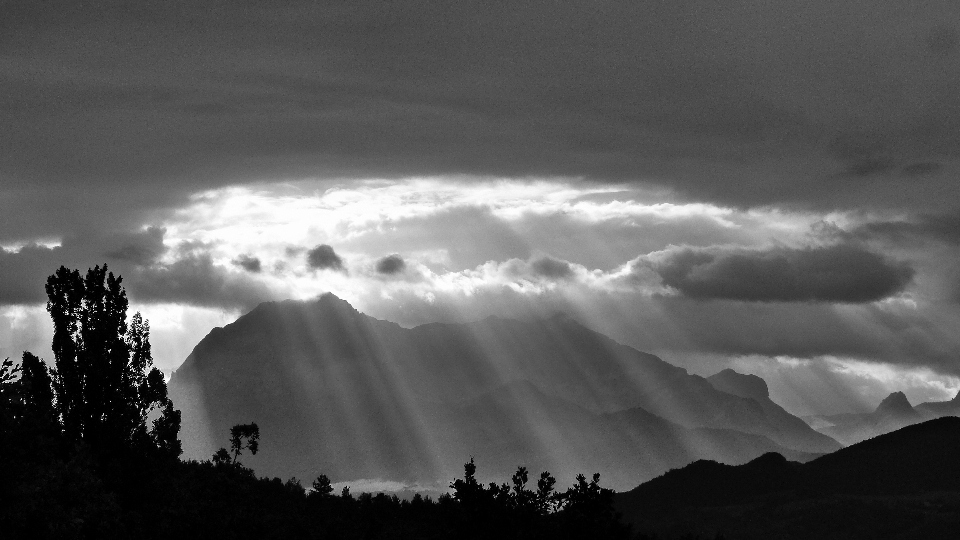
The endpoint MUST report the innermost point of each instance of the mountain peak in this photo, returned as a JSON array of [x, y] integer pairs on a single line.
[[739, 384], [895, 403], [330, 298], [330, 301]]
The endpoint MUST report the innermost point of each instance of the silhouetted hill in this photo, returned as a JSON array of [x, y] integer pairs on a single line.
[[914, 459], [893, 413], [340, 392], [902, 484]]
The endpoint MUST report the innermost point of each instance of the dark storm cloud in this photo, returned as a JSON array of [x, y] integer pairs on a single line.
[[391, 264], [24, 272], [248, 263], [192, 278], [842, 273], [109, 112], [142, 248], [323, 257], [551, 268], [943, 228], [196, 281]]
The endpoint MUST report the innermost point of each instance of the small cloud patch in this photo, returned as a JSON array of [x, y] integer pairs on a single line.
[[323, 257], [391, 265], [551, 268], [249, 263]]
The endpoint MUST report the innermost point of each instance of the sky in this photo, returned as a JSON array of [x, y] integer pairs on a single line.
[[765, 185]]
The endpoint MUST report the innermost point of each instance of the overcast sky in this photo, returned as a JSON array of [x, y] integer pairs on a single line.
[[765, 185]]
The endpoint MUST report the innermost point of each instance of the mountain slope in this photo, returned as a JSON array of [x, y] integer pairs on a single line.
[[338, 392], [784, 428], [904, 484], [936, 409]]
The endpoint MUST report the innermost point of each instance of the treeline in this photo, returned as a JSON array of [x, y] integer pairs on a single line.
[[90, 449]]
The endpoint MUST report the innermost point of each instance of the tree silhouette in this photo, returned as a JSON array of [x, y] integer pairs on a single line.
[[104, 381], [238, 433], [323, 488], [584, 510], [467, 491], [36, 392], [544, 497], [221, 457]]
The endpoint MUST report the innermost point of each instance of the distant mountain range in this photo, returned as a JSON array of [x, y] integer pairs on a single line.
[[904, 484], [339, 392], [893, 413]]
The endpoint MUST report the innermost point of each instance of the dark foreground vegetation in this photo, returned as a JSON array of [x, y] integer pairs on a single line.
[[90, 450]]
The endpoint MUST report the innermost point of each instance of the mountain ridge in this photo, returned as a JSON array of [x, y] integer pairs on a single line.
[[893, 412], [326, 382]]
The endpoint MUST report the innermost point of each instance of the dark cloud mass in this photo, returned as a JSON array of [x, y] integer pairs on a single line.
[[391, 264], [841, 273], [943, 228], [22, 278], [323, 257], [248, 263], [23, 272], [142, 248], [549, 267], [195, 280], [754, 102], [192, 278]]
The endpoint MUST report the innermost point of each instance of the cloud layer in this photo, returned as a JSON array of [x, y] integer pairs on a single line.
[[110, 114]]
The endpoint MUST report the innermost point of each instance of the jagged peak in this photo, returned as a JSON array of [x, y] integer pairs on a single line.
[[329, 296], [895, 402], [740, 384], [331, 299]]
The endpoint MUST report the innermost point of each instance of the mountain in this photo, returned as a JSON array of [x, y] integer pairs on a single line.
[[784, 427], [893, 413], [339, 392], [905, 484], [936, 409], [895, 410]]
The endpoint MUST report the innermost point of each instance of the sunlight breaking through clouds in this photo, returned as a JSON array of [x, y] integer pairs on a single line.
[[652, 270], [304, 214]]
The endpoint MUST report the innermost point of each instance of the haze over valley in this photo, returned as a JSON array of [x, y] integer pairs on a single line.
[[361, 399]]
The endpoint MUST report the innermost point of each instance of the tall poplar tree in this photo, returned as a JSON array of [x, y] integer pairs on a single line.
[[104, 379]]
